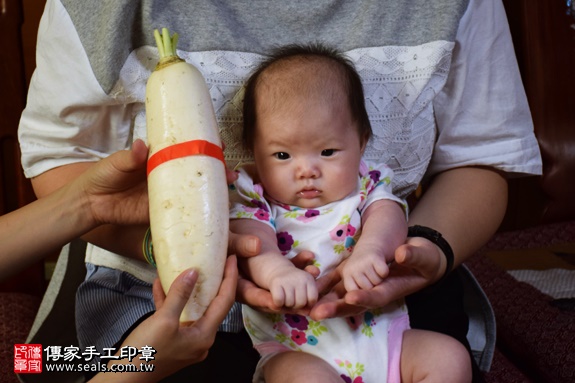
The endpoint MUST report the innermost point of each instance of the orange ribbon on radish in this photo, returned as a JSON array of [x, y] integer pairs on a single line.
[[185, 149]]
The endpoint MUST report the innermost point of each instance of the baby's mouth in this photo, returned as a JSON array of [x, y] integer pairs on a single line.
[[309, 193]]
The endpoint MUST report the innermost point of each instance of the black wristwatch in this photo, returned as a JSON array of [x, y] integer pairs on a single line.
[[435, 237]]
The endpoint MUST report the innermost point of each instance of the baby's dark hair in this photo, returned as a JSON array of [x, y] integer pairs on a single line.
[[335, 62]]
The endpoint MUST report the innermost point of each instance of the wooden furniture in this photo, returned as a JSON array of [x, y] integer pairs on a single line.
[[535, 337], [20, 295], [544, 38], [17, 39]]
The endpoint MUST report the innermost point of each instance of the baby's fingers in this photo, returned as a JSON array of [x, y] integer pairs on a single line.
[[279, 296], [306, 296], [350, 284]]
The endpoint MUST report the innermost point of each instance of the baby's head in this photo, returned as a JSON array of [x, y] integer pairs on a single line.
[[298, 74], [306, 125]]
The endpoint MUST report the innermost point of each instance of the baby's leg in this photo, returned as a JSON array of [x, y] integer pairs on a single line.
[[428, 356], [301, 367]]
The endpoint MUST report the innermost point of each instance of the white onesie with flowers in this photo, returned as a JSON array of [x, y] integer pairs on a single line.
[[363, 348]]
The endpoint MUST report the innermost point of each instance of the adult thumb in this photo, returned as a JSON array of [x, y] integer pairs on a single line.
[[179, 293]]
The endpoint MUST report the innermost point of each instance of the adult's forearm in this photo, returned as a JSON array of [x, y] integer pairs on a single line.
[[466, 205], [30, 233], [120, 239]]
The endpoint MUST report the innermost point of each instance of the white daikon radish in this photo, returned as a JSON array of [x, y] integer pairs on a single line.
[[187, 185]]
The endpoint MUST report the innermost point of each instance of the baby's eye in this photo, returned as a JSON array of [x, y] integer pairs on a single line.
[[281, 155], [328, 152]]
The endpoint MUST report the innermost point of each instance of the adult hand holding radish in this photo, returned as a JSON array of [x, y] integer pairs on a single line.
[[186, 177], [178, 345]]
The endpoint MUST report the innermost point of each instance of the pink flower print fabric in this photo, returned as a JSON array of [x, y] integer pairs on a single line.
[[329, 231], [355, 346], [353, 371], [285, 242]]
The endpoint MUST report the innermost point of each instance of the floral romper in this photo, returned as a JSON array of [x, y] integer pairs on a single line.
[[364, 348]]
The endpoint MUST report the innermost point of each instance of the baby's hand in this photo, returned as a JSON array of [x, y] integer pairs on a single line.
[[364, 271], [293, 288]]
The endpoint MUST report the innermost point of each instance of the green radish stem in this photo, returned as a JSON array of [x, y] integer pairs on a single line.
[[166, 47]]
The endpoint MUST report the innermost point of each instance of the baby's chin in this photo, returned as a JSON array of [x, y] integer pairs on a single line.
[[310, 205], [303, 203], [310, 201]]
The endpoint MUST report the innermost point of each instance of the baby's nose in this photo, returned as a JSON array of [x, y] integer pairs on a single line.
[[308, 169]]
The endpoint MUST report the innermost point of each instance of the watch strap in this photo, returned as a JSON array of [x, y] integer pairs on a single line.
[[435, 237]]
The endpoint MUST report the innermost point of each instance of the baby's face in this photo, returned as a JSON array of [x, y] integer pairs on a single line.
[[307, 154]]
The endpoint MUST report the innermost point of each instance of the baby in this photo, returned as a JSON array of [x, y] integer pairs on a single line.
[[309, 189]]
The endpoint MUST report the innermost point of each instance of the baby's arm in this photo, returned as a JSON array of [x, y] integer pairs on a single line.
[[271, 270], [384, 228]]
